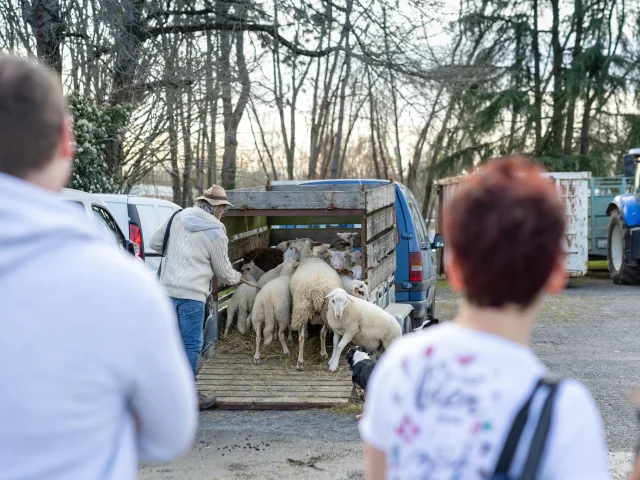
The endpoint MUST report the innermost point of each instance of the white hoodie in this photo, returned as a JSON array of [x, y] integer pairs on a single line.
[[89, 347]]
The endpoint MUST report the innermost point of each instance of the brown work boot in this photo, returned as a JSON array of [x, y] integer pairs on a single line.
[[206, 402]]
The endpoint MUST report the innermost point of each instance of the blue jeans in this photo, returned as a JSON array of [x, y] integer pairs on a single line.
[[191, 317]]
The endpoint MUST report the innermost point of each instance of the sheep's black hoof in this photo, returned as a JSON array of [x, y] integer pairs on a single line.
[[300, 365]]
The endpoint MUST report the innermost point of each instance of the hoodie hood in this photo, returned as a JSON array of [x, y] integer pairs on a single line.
[[195, 219], [35, 222]]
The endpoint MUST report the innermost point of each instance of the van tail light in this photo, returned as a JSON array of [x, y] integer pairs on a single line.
[[415, 267], [135, 235]]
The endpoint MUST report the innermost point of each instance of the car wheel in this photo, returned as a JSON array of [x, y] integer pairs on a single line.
[[623, 268]]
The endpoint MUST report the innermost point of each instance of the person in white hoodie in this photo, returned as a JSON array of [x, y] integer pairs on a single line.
[[196, 250], [94, 377]]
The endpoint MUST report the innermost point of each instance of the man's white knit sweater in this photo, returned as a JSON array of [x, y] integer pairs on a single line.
[[196, 251]]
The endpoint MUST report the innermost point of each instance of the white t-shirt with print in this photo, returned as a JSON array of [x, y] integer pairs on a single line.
[[440, 404]]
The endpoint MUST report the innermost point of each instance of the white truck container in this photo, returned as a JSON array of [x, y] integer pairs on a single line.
[[574, 188]]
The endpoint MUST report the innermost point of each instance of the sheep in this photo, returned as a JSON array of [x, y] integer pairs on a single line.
[[283, 246], [310, 284], [356, 272], [355, 287], [344, 242], [299, 250], [253, 270], [339, 260], [241, 303], [356, 257], [355, 319], [265, 258], [271, 308]]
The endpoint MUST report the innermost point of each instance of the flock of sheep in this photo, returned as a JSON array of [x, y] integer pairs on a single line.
[[303, 282]]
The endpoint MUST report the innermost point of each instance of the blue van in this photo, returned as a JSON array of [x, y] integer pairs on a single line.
[[415, 277]]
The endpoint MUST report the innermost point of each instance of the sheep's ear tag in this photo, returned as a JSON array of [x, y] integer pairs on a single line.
[[366, 282]]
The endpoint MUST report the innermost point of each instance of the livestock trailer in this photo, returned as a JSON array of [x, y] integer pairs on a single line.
[[574, 188], [260, 215]]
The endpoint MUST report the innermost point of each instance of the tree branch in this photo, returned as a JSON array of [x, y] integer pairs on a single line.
[[237, 27]]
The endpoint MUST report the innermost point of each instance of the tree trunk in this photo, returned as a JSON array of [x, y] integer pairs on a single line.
[[343, 92], [394, 101], [586, 123], [185, 121], [573, 86], [553, 142], [372, 128], [412, 175], [232, 116], [437, 147], [537, 81], [212, 93], [48, 29]]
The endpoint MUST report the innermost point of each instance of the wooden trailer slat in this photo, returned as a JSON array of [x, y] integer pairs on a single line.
[[324, 235], [325, 187], [380, 197], [382, 271], [289, 403], [380, 221], [329, 391], [306, 220], [238, 248], [296, 200], [227, 380], [236, 225], [378, 249]]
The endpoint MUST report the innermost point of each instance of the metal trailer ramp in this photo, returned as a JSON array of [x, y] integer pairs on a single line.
[[273, 384]]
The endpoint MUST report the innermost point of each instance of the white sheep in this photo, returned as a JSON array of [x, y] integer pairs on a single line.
[[356, 272], [241, 304], [252, 269], [339, 260], [310, 284], [272, 307], [283, 246], [344, 242], [356, 257], [355, 287], [354, 319], [299, 250]]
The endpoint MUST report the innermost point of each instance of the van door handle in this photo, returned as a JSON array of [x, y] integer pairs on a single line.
[[406, 236]]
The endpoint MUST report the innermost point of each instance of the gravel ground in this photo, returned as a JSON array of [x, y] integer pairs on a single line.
[[589, 333]]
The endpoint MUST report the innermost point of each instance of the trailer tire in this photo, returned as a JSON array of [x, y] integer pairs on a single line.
[[624, 270]]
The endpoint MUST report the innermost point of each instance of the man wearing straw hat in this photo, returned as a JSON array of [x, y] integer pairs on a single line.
[[196, 250]]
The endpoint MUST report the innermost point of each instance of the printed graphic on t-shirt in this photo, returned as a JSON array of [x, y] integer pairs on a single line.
[[453, 401]]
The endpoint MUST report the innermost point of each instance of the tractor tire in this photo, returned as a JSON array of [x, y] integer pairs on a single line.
[[623, 268]]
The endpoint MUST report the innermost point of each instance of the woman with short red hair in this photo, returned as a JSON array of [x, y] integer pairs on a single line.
[[469, 399]]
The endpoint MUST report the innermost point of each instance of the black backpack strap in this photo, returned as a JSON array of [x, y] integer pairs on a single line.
[[165, 241], [539, 437], [539, 440]]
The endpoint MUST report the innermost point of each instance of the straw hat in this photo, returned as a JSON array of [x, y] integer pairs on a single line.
[[215, 196]]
